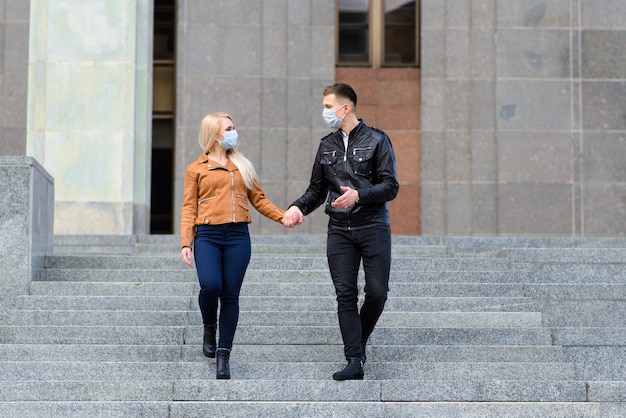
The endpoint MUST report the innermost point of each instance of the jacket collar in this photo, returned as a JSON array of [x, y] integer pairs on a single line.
[[204, 159]]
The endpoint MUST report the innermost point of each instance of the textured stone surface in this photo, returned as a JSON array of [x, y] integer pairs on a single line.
[[547, 73], [89, 121], [26, 221], [489, 326]]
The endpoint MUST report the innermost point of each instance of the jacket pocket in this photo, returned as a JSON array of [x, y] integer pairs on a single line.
[[328, 163], [244, 207], [361, 160], [203, 212]]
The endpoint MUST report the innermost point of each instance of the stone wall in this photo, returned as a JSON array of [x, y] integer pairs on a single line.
[[523, 125], [26, 220], [14, 27], [265, 63]]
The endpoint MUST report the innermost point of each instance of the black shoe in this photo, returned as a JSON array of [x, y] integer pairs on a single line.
[[210, 345], [352, 371], [363, 352], [223, 368]]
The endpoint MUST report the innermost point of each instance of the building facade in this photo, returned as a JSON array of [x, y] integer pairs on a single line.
[[511, 121]]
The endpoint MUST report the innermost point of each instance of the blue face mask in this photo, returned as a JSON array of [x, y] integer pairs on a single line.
[[230, 139], [331, 119]]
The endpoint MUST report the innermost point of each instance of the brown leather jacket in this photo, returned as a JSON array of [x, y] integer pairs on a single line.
[[215, 194]]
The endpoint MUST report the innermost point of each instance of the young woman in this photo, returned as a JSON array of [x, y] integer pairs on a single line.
[[218, 190]]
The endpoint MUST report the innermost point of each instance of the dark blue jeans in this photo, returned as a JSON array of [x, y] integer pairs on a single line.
[[222, 254], [345, 251]]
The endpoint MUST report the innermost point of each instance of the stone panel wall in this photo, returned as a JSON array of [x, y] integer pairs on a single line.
[[523, 121], [14, 27], [266, 63]]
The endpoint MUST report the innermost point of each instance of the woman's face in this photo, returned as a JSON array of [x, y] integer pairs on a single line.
[[226, 125]]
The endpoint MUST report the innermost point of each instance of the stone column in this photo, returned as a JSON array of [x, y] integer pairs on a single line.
[[26, 218], [89, 111]]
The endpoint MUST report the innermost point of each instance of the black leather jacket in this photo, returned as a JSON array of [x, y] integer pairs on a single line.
[[369, 166]]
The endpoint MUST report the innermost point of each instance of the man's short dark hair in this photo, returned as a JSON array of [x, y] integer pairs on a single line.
[[341, 91]]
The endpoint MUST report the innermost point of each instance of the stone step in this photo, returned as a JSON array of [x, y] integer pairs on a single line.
[[574, 273], [599, 362], [589, 336], [280, 409], [303, 370], [530, 274], [591, 292], [259, 318], [491, 326], [267, 303], [291, 289], [283, 250], [583, 313], [191, 352], [454, 242], [270, 334], [568, 255], [297, 390], [274, 263]]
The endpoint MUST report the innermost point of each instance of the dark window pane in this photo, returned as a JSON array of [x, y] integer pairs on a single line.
[[164, 29], [399, 32], [353, 32]]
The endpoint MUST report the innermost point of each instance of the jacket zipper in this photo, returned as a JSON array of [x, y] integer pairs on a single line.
[[354, 150], [201, 201], [345, 173], [232, 183]]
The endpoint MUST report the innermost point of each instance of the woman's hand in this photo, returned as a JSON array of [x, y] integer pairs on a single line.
[[185, 254], [293, 217]]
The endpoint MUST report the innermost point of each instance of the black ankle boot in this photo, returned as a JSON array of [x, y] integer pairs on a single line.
[[352, 371], [210, 345], [223, 368], [363, 352]]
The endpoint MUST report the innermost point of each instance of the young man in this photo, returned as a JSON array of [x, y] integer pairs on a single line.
[[354, 173]]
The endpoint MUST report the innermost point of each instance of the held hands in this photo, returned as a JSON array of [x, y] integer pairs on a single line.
[[347, 199], [185, 254], [293, 217]]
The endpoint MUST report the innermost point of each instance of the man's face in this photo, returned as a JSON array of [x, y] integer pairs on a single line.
[[330, 102]]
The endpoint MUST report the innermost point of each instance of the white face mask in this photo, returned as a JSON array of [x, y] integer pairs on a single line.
[[230, 139], [331, 119]]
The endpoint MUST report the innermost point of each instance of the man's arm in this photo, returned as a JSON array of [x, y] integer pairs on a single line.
[[386, 184]]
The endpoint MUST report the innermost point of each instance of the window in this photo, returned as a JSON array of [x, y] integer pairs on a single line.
[[378, 33]]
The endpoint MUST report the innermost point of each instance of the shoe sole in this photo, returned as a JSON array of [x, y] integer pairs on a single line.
[[339, 379]]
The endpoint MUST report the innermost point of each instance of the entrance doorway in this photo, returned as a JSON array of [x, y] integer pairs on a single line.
[[163, 123]]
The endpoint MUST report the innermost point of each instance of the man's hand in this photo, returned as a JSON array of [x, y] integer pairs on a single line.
[[347, 199], [293, 217]]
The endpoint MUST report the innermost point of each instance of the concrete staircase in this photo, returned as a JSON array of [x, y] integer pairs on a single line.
[[490, 327]]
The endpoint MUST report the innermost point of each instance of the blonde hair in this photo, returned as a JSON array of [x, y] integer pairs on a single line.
[[209, 131]]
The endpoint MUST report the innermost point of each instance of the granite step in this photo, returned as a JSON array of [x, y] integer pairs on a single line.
[[323, 287], [291, 390], [260, 318], [520, 274], [191, 351], [474, 326], [273, 263], [270, 334], [268, 303], [280, 409], [204, 370]]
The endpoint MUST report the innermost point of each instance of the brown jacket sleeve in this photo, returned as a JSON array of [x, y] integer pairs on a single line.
[[263, 205], [189, 211]]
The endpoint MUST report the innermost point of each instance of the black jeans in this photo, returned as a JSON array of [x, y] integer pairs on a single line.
[[345, 251]]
